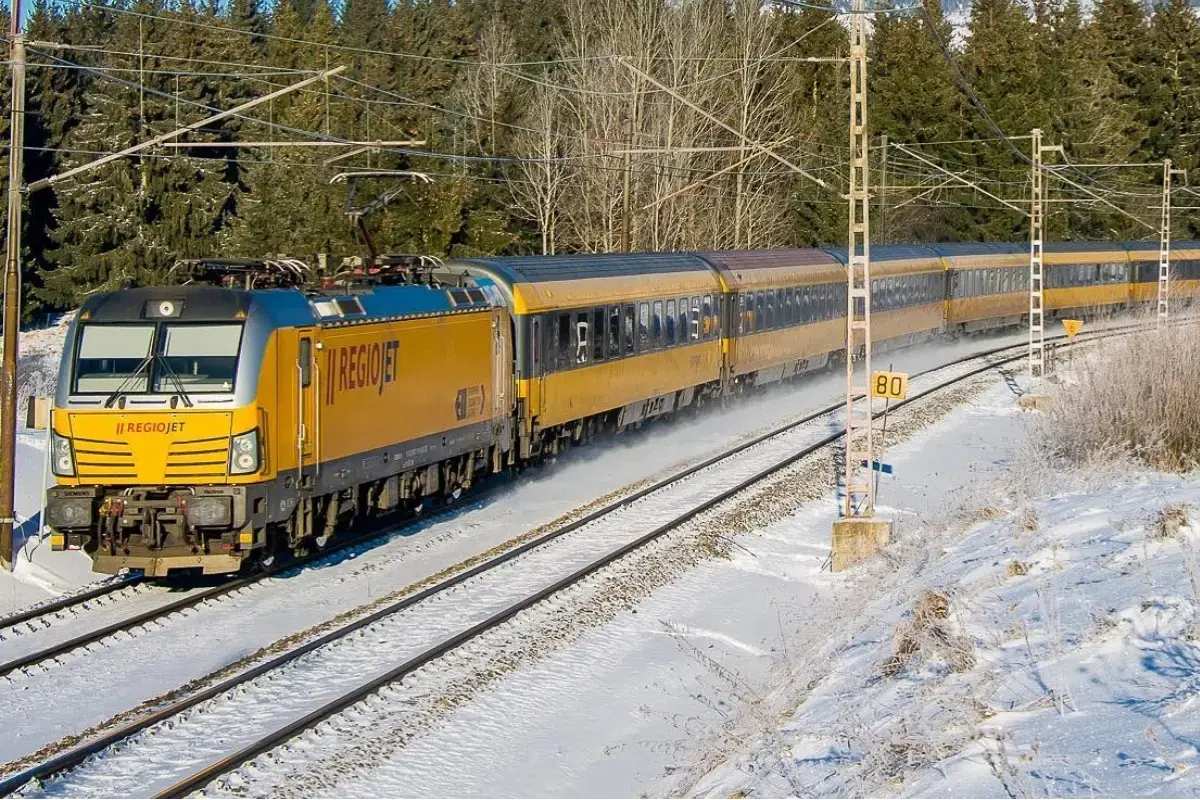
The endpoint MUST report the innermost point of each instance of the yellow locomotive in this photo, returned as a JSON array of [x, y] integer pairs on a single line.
[[196, 426], [204, 427]]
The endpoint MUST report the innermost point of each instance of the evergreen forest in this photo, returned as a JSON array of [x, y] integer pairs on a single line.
[[536, 126]]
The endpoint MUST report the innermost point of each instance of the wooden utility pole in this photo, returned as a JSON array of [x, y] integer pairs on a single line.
[[12, 276], [883, 186], [628, 126], [12, 293]]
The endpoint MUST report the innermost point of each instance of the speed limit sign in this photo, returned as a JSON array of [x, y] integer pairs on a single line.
[[889, 385]]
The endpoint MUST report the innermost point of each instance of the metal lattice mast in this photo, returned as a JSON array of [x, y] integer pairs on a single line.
[[1037, 328], [860, 434], [1164, 245]]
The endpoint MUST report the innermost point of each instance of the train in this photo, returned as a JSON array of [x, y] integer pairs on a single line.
[[208, 425]]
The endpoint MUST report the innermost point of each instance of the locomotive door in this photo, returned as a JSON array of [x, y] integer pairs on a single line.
[[501, 364], [305, 379]]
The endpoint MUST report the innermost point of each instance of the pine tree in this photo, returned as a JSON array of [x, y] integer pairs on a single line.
[[819, 103], [1124, 41], [1000, 63], [1173, 110], [914, 99], [293, 210], [1086, 117]]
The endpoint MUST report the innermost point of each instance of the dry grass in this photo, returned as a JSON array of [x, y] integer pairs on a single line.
[[1170, 520], [1133, 396], [927, 632]]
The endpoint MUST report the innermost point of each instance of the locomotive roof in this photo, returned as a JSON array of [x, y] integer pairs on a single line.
[[289, 307], [202, 303]]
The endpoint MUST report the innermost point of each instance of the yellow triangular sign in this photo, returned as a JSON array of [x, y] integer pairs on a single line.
[[1072, 326]]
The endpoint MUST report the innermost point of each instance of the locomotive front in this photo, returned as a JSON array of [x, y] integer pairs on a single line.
[[156, 439]]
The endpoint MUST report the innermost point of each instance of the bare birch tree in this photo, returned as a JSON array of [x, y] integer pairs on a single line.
[[542, 175]]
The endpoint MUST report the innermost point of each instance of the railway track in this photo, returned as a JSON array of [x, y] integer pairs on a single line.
[[130, 623], [332, 688], [65, 604]]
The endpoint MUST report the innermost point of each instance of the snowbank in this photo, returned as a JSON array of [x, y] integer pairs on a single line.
[[39, 574], [1031, 648]]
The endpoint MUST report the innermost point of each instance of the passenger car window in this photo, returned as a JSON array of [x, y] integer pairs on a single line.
[[614, 332], [598, 337], [670, 323], [581, 340], [536, 338], [564, 341], [643, 327], [656, 322], [628, 330]]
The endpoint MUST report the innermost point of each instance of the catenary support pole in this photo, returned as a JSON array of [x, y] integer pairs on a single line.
[[860, 433]]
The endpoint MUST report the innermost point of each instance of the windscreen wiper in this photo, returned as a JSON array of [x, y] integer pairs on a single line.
[[174, 378], [112, 398]]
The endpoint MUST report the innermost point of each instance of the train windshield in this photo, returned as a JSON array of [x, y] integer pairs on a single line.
[[113, 357], [197, 358], [160, 359]]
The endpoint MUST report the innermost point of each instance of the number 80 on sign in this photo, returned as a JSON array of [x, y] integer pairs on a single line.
[[889, 385]]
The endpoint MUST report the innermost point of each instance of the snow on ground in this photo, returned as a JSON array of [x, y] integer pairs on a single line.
[[39, 574], [1029, 632], [615, 711]]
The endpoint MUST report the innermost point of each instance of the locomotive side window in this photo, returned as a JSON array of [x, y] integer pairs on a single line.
[[598, 337], [671, 322], [305, 359]]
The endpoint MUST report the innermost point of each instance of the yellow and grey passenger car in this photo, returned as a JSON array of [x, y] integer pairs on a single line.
[[1184, 270], [908, 290], [606, 341], [785, 313]]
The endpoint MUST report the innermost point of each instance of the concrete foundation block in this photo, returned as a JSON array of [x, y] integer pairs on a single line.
[[856, 539]]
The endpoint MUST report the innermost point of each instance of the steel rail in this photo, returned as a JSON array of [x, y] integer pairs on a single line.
[[63, 603], [76, 755], [388, 528]]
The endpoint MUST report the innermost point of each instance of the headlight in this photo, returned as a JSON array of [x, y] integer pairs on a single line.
[[69, 512], [243, 453], [62, 459], [210, 511]]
